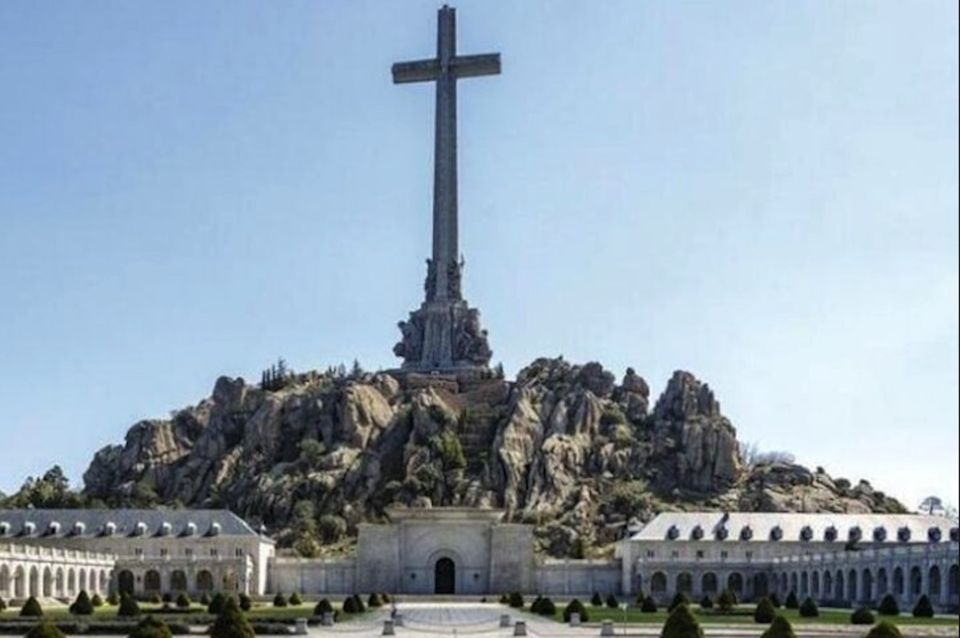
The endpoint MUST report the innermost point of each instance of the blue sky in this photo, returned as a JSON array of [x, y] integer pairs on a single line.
[[764, 193]]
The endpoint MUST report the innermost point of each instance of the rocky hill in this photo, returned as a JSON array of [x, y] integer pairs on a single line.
[[564, 446]]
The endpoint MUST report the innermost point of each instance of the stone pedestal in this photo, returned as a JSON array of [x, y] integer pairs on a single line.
[[388, 628], [327, 619], [443, 336], [300, 628], [520, 629], [606, 629], [574, 619], [504, 620]]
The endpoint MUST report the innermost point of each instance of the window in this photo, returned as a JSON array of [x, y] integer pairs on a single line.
[[138, 551], [163, 552], [749, 555], [674, 554], [214, 552], [723, 554], [651, 553], [238, 552], [700, 553], [188, 552]]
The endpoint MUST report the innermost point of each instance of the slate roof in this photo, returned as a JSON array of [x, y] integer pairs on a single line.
[[78, 523], [797, 527]]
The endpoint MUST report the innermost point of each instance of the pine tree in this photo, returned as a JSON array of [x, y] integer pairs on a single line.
[[780, 628], [31, 608], [765, 611], [82, 606], [681, 624], [231, 623]]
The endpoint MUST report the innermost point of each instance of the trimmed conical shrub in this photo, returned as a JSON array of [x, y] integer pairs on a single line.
[[547, 607], [231, 623], [884, 629], [516, 600], [923, 608], [183, 600], [792, 601], [3, 604], [322, 607], [279, 600], [350, 605], [706, 603], [596, 600], [727, 601], [808, 608], [681, 624], [45, 629], [31, 608], [575, 607], [295, 599], [775, 601], [678, 599], [82, 606], [765, 611], [245, 602], [649, 606], [129, 606], [862, 616], [612, 602], [374, 600], [889, 606], [216, 604], [779, 628], [151, 627], [96, 601]]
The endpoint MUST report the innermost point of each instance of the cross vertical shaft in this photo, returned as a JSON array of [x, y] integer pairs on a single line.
[[445, 240]]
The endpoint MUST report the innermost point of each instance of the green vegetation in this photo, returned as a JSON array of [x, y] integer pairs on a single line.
[[231, 623], [216, 604], [516, 600], [809, 609], [151, 627], [279, 600], [543, 606], [706, 603], [765, 612], [612, 602], [183, 600], [295, 599], [727, 601], [649, 605], [575, 607], [323, 607], [923, 608], [862, 616], [792, 601], [129, 606], [884, 629], [779, 628], [82, 606], [678, 600], [31, 608], [96, 601], [681, 624], [889, 606], [45, 629], [246, 603], [374, 600], [596, 600]]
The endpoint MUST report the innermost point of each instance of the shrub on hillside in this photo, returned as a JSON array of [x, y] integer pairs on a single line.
[[765, 612], [151, 628], [295, 599], [231, 623], [889, 606], [612, 602], [727, 601], [681, 624], [923, 608], [678, 600], [45, 629], [129, 607], [809, 609], [183, 600], [575, 607], [322, 607], [596, 600], [279, 600], [884, 629], [779, 628], [792, 601], [516, 600], [649, 605], [31, 608], [706, 603], [82, 606], [862, 616], [374, 600]]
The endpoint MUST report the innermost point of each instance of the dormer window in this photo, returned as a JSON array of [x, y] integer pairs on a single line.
[[903, 534], [4, 528], [955, 534], [190, 529], [673, 533], [855, 534], [746, 533], [78, 529], [806, 534], [140, 529], [776, 533], [696, 533], [721, 533], [830, 534], [214, 529], [110, 528], [53, 528], [166, 528], [934, 534], [29, 528], [879, 534]]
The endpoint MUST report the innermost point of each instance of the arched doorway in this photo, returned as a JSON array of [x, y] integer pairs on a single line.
[[445, 577], [125, 582]]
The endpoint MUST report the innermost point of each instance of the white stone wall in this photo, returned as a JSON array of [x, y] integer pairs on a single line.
[[556, 577], [313, 576], [52, 572]]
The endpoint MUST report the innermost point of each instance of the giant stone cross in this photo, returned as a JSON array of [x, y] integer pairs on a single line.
[[444, 334]]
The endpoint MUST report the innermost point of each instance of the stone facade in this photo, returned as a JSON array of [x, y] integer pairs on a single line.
[[52, 572], [154, 551], [838, 559]]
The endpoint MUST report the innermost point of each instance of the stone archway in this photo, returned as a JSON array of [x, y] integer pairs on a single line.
[[126, 582], [445, 576]]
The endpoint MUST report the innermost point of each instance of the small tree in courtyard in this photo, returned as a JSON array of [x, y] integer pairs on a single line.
[[612, 602], [279, 600], [809, 609], [923, 608], [151, 627], [779, 628], [3, 604], [323, 607], [649, 605], [889, 606], [246, 603], [775, 601], [678, 600], [862, 616], [575, 607], [792, 601], [727, 601], [596, 600], [765, 612], [128, 606], [31, 608], [374, 600], [82, 606], [183, 600], [231, 623], [295, 599], [884, 629], [516, 600], [681, 624], [45, 629], [96, 601], [706, 602], [216, 604]]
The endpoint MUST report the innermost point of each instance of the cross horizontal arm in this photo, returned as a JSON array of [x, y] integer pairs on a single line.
[[468, 66], [416, 71]]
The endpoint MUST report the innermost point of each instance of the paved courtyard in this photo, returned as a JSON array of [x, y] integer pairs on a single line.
[[430, 619]]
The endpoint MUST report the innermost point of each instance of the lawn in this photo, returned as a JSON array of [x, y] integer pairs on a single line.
[[744, 615]]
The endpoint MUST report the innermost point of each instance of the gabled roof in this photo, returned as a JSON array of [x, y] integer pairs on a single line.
[[80, 523], [798, 527]]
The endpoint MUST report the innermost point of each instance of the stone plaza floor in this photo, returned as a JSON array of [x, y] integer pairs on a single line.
[[429, 619]]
